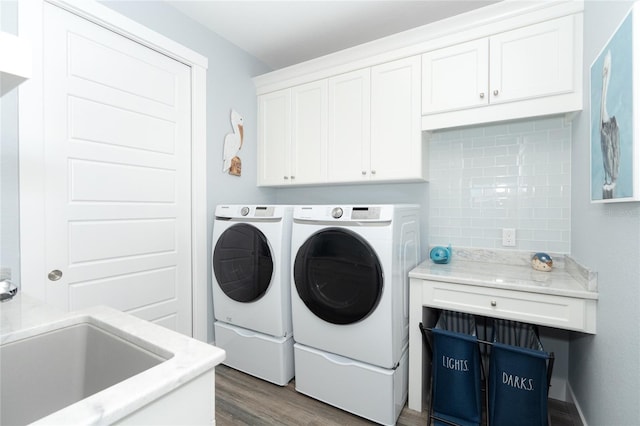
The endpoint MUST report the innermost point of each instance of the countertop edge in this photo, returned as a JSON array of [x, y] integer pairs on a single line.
[[482, 279]]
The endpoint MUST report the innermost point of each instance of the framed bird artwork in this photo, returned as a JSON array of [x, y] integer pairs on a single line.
[[615, 155], [231, 162]]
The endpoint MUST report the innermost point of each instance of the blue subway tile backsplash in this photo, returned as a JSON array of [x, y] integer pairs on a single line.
[[505, 175]]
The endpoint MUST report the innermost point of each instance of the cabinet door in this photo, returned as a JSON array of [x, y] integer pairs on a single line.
[[349, 127], [309, 133], [455, 77], [396, 151], [532, 61], [274, 138]]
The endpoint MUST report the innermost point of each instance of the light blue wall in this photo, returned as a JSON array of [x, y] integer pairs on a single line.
[[605, 368]]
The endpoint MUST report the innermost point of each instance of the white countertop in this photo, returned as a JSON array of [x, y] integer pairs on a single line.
[[505, 276], [23, 317]]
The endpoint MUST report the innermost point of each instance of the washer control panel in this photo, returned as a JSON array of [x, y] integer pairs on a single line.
[[262, 211], [362, 213], [247, 212]]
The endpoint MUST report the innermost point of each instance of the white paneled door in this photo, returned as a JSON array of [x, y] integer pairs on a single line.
[[117, 125]]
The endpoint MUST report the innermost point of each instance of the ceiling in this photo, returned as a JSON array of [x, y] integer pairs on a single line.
[[282, 33]]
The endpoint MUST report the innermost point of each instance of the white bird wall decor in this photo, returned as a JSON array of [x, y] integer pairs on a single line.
[[231, 163]]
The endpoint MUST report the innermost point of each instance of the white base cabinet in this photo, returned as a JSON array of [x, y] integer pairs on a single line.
[[193, 403]]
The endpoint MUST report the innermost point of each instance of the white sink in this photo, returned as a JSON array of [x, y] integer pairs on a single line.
[[44, 373], [99, 366]]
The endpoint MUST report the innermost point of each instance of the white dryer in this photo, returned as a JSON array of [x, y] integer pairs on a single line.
[[349, 303], [251, 289]]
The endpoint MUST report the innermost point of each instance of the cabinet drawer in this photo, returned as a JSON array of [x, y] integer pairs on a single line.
[[543, 309]]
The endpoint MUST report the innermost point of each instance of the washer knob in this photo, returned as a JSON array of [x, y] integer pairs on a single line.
[[336, 213], [244, 211]]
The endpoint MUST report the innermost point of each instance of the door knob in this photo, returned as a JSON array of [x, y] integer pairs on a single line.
[[55, 275]]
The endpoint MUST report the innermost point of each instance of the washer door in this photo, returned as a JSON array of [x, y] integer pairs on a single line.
[[338, 276], [243, 263]]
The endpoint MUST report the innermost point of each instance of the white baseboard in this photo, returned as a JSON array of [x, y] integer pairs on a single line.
[[558, 389], [572, 399]]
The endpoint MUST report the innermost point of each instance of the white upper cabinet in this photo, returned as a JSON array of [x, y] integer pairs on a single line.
[[360, 115], [455, 77], [354, 127], [532, 61], [309, 133], [396, 143], [535, 69], [348, 153], [292, 135], [274, 138]]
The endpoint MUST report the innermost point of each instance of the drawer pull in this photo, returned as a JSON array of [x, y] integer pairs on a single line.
[[494, 303]]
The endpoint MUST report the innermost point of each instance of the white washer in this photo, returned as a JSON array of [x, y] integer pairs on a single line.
[[251, 289], [349, 303]]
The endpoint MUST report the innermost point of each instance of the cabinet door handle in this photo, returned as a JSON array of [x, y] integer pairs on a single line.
[[286, 178], [373, 172], [494, 303], [364, 173], [495, 92], [482, 95], [293, 177]]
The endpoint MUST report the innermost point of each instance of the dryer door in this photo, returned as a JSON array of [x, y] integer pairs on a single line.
[[243, 263], [338, 276]]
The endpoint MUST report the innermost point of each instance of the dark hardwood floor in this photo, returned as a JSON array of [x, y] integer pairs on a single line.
[[242, 399]]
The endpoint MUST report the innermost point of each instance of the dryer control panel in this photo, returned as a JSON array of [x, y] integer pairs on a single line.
[[344, 214]]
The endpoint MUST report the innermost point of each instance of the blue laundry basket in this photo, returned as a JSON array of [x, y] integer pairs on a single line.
[[519, 376], [456, 369]]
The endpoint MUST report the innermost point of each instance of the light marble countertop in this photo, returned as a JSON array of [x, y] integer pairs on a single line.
[[24, 317], [507, 276]]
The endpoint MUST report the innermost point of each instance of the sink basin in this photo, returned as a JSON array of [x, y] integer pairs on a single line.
[[46, 372]]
